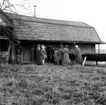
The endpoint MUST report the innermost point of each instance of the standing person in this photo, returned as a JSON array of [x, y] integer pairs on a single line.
[[56, 56], [78, 55], [38, 55], [48, 49], [19, 52], [60, 54], [66, 59], [52, 54], [7, 59], [43, 54]]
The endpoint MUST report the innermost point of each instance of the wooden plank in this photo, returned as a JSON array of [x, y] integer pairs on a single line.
[[84, 61], [27, 54]]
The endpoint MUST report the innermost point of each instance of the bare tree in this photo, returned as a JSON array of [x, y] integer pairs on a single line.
[[7, 6]]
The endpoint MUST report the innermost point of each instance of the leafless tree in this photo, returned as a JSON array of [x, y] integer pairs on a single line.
[[7, 6]]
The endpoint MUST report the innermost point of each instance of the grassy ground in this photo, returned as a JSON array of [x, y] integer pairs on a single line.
[[52, 85]]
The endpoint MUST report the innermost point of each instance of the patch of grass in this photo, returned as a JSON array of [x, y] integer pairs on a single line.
[[52, 85]]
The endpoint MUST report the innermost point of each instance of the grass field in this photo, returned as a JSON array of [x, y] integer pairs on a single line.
[[52, 85]]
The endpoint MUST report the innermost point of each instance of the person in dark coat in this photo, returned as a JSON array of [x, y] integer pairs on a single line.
[[48, 50], [52, 54], [19, 52], [38, 55], [78, 55]]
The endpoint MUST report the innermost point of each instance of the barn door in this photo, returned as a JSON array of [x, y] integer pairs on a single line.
[[27, 54]]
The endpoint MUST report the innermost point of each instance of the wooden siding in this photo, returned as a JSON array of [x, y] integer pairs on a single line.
[[85, 48], [27, 50], [26, 54]]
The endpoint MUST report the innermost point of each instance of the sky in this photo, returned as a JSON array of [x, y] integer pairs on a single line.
[[92, 12]]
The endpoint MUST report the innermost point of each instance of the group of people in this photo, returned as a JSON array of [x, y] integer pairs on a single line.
[[59, 56]]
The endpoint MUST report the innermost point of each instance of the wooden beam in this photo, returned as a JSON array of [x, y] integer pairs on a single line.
[[99, 48]]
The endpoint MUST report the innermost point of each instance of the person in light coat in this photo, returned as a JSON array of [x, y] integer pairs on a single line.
[[43, 54], [56, 56], [66, 59], [60, 55]]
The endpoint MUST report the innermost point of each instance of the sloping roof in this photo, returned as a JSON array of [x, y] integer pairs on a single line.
[[31, 28], [6, 27]]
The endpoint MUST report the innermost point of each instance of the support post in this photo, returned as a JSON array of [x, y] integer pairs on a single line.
[[13, 53], [22, 55], [8, 55], [98, 48]]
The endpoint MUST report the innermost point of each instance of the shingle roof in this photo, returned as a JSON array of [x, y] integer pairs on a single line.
[[31, 28], [6, 26]]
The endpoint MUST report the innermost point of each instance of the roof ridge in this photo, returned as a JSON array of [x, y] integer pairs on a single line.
[[57, 23], [49, 21]]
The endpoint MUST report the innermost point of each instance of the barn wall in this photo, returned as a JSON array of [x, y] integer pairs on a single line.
[[88, 48], [85, 48], [29, 52], [26, 54]]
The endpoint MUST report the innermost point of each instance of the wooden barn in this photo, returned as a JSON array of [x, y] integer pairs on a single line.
[[31, 31]]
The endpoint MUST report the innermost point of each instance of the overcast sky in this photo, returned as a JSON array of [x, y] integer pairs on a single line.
[[92, 12]]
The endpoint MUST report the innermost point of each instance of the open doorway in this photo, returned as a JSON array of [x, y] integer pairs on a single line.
[[4, 44]]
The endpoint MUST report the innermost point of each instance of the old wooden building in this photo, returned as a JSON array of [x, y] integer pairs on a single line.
[[32, 30]]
